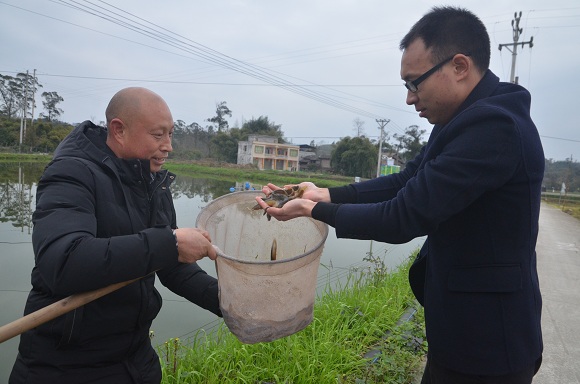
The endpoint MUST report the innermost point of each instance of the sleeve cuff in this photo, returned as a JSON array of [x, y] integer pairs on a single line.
[[344, 194], [325, 212]]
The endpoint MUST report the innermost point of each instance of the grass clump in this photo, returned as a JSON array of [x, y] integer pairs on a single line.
[[348, 322], [569, 204], [6, 157], [233, 172]]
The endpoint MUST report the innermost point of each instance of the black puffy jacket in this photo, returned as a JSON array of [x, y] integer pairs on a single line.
[[100, 220]]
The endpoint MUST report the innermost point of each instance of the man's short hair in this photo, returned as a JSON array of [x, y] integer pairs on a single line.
[[451, 30]]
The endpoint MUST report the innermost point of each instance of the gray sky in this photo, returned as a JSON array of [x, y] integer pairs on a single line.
[[312, 66]]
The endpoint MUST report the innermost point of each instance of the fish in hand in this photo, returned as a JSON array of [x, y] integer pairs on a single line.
[[280, 197]]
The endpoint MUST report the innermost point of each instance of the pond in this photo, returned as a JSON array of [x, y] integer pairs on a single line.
[[178, 317]]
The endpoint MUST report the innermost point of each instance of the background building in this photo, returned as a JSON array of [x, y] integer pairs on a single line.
[[266, 153]]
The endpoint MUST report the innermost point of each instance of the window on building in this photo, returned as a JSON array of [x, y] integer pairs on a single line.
[[293, 153], [259, 149]]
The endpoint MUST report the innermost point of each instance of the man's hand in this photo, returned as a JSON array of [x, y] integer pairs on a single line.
[[298, 207], [290, 210], [311, 191], [193, 244]]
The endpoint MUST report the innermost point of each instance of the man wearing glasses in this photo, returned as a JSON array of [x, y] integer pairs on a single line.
[[474, 190]]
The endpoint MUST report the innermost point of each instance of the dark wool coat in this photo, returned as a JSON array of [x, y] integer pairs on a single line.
[[474, 190], [100, 220]]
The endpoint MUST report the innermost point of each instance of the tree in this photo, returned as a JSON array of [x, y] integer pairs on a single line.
[[221, 110], [55, 136], [17, 93], [558, 172], [355, 157], [9, 132], [410, 143], [358, 125], [29, 86], [47, 135], [51, 100], [261, 126], [190, 142], [11, 93], [225, 145], [387, 146], [17, 97]]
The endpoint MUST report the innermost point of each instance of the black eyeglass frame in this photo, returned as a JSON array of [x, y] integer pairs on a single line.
[[412, 85]]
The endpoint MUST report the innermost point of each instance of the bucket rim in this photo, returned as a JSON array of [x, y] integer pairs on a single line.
[[220, 253]]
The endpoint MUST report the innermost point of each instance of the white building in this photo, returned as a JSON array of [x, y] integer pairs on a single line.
[[266, 153]]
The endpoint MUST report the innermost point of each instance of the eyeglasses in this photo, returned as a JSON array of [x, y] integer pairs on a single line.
[[412, 85]]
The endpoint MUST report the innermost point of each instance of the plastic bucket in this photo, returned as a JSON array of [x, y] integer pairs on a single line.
[[260, 299]]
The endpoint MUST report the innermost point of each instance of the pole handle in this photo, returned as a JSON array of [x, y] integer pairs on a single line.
[[57, 309]]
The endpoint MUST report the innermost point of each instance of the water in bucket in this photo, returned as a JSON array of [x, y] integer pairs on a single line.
[[260, 299]]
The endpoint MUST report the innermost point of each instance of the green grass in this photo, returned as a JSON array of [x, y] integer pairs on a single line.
[[569, 204], [219, 171], [23, 157], [232, 172], [348, 322]]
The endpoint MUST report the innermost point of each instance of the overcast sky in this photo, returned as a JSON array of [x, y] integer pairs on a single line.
[[311, 66]]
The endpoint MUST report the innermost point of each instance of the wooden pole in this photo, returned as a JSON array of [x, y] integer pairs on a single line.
[[55, 310]]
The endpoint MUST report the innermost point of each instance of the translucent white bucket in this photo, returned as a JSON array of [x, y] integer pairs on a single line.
[[263, 300]]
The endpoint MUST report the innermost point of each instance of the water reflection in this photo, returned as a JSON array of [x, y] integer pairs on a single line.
[[17, 187], [204, 189], [18, 183]]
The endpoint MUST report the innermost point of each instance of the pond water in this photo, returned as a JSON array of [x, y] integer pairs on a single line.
[[178, 317]]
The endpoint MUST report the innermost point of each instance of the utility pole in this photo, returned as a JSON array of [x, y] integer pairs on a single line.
[[514, 46], [382, 123], [25, 103], [33, 99]]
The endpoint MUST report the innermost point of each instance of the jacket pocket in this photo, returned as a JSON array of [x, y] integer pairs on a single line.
[[71, 328], [486, 279], [417, 274], [151, 305]]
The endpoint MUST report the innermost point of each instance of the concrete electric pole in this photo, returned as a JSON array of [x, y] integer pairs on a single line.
[[33, 99], [382, 123], [24, 106], [514, 46]]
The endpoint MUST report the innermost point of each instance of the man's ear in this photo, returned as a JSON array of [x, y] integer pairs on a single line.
[[117, 130], [462, 66]]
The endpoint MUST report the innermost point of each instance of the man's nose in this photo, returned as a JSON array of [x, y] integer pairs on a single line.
[[166, 145], [411, 98]]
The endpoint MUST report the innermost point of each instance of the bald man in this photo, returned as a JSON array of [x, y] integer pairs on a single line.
[[104, 214]]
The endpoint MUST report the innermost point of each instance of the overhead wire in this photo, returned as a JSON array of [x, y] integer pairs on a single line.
[[76, 5], [208, 54], [329, 99]]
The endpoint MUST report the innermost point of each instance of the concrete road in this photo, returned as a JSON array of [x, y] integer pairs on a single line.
[[558, 251]]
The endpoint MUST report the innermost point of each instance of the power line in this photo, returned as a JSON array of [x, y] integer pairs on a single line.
[[207, 55], [40, 74], [204, 83], [560, 138], [141, 26]]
